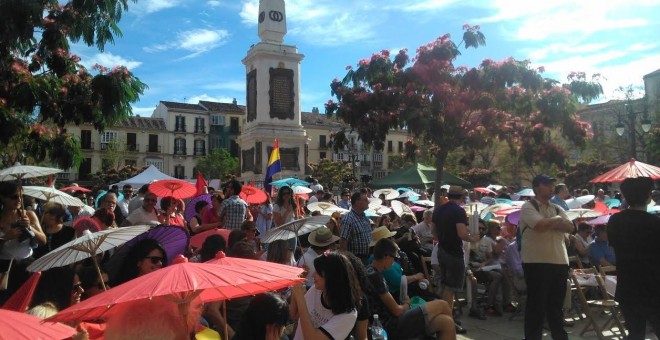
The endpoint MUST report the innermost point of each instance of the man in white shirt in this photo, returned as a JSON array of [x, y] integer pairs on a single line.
[[316, 198], [424, 230], [147, 214], [316, 186], [128, 195]]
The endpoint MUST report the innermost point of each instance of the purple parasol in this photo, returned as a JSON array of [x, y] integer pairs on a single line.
[[514, 217], [190, 206]]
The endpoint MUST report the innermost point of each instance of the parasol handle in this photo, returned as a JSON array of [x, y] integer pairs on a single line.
[[98, 271]]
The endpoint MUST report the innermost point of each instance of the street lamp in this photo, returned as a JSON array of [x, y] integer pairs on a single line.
[[632, 117]]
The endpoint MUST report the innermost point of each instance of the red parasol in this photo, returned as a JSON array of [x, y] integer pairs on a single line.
[[19, 326], [172, 187], [75, 188], [252, 195], [630, 169], [484, 190], [21, 298], [198, 239], [181, 283]]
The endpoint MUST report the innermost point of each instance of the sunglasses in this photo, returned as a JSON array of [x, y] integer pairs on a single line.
[[155, 259], [77, 286]]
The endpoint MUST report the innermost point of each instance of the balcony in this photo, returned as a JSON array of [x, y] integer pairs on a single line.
[[180, 152], [323, 145], [133, 147], [200, 152], [180, 128], [65, 176], [87, 146], [153, 148], [200, 129], [108, 146], [378, 164]]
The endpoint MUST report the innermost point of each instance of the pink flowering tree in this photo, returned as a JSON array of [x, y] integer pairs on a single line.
[[447, 107], [43, 86]]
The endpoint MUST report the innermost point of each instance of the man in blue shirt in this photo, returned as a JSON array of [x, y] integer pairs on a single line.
[[600, 250], [561, 193]]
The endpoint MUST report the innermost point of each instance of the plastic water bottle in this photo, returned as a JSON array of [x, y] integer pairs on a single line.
[[377, 330]]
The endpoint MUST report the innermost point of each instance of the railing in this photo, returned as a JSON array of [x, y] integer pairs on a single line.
[[323, 145], [132, 147], [108, 146], [200, 152], [200, 129], [378, 164], [64, 176], [180, 152], [153, 148], [180, 128], [87, 146]]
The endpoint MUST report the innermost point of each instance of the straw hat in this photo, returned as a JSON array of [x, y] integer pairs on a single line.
[[322, 237], [380, 233]]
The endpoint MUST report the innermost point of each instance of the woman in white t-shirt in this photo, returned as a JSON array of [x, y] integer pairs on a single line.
[[329, 308], [284, 209]]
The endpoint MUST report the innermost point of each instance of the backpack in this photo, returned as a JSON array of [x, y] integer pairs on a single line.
[[519, 233]]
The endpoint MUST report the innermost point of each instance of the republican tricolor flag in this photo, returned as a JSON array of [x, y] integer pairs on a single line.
[[274, 165]]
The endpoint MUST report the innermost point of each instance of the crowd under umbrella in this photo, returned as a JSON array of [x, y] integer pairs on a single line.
[[181, 283], [173, 187], [86, 246], [22, 326], [293, 229], [631, 169], [50, 194], [190, 207], [174, 239], [19, 172]]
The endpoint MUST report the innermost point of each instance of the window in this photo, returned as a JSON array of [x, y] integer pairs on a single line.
[[233, 125], [157, 162], [200, 147], [179, 171], [233, 149], [200, 125], [108, 137], [400, 146], [130, 162], [216, 143], [180, 124], [389, 146], [322, 155], [86, 140], [322, 142], [85, 168], [217, 120], [339, 156], [131, 142], [179, 146], [153, 144]]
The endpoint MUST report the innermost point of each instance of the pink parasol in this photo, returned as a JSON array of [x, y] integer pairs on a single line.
[[20, 300], [197, 240], [172, 187], [630, 169], [19, 326], [252, 195]]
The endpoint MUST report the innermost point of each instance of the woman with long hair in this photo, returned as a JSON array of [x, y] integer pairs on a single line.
[[285, 209], [328, 310], [145, 257], [265, 318], [280, 251]]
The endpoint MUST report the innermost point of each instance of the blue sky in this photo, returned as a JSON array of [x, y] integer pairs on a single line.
[[191, 50]]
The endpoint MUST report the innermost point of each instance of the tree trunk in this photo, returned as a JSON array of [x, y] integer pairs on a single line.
[[440, 159]]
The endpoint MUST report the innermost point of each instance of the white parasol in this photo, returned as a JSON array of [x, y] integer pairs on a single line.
[[390, 194], [293, 229], [51, 194], [576, 203]]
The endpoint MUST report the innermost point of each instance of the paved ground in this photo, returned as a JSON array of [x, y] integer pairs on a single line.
[[500, 328]]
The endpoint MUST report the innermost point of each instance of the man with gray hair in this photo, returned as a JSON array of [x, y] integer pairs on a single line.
[[424, 230], [561, 193]]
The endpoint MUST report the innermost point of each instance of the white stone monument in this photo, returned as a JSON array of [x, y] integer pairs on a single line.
[[272, 99]]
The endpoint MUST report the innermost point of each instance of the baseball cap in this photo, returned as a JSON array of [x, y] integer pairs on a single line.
[[542, 179]]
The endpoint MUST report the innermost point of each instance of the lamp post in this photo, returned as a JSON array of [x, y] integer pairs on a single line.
[[632, 118]]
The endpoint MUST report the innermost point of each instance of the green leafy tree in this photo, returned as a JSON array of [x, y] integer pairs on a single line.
[[652, 146], [217, 164], [331, 173], [579, 174], [452, 107], [44, 87], [112, 175]]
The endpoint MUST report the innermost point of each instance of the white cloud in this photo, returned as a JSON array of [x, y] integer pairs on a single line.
[[638, 47], [237, 85], [553, 50], [196, 41], [152, 6], [419, 6], [213, 3], [206, 97], [110, 60]]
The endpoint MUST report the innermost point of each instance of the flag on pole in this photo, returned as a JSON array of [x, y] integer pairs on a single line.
[[200, 184], [274, 165]]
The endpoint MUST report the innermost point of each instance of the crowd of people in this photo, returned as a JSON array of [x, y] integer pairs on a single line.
[[360, 266]]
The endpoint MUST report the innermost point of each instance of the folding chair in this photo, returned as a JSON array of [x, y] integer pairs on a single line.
[[606, 270], [576, 261], [605, 305], [519, 295]]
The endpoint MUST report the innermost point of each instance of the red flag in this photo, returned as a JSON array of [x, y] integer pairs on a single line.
[[201, 184]]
